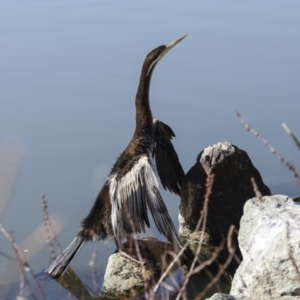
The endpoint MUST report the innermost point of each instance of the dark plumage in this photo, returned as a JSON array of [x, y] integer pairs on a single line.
[[132, 187]]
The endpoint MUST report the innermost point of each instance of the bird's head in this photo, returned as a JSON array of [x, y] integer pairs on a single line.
[[158, 53]]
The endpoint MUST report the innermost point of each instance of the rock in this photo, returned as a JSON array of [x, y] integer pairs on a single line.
[[125, 276], [269, 239], [219, 296], [231, 188]]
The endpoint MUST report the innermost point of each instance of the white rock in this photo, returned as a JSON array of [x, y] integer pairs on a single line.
[[269, 240]]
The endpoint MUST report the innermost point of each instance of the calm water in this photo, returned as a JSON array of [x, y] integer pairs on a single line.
[[69, 73]]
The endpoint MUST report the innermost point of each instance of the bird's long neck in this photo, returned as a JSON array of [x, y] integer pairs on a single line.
[[142, 105]]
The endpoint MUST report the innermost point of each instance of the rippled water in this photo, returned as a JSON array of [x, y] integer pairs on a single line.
[[69, 73]]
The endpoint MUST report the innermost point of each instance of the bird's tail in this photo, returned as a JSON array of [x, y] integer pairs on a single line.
[[58, 267]]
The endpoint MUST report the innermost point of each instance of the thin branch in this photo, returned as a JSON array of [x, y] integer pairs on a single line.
[[170, 266], [93, 264], [288, 164], [8, 256], [50, 233], [289, 250], [24, 266], [202, 220], [256, 190], [213, 257], [137, 248], [290, 133], [231, 250]]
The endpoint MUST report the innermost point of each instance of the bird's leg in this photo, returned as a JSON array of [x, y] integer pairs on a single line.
[[131, 245], [130, 240], [130, 257], [119, 244]]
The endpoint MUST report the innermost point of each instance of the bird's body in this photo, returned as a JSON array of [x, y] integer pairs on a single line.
[[132, 187]]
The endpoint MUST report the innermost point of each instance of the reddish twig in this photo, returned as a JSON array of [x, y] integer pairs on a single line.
[[93, 264], [231, 250], [288, 164], [256, 190], [24, 266], [51, 236], [290, 133], [202, 220]]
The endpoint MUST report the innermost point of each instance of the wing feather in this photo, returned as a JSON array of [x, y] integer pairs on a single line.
[[132, 194], [128, 199], [168, 165], [158, 208]]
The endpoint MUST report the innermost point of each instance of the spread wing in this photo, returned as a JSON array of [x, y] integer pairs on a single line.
[[132, 194], [168, 166]]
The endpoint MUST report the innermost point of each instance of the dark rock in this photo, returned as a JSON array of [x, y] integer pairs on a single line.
[[231, 189]]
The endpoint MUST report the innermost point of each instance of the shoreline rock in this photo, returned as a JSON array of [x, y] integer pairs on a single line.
[[270, 243], [231, 189]]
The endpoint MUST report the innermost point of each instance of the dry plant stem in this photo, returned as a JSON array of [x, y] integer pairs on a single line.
[[164, 275], [203, 265], [23, 265], [288, 164], [137, 248], [11, 156], [20, 259], [289, 250], [174, 255], [167, 271], [231, 250], [8, 256], [230, 247], [209, 185], [167, 287], [51, 236], [207, 195], [256, 190], [164, 263], [290, 133], [202, 220], [93, 264], [237, 259], [211, 277], [211, 260]]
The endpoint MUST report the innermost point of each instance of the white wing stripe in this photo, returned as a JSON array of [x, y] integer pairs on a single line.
[[120, 191]]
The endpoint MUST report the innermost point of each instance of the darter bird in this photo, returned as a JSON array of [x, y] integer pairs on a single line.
[[132, 187]]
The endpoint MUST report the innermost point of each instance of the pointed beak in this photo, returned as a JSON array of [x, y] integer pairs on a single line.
[[173, 44]]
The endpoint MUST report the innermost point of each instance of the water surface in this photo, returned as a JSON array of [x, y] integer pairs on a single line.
[[69, 73]]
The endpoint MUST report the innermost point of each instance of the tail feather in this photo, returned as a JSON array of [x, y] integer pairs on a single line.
[[58, 267]]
